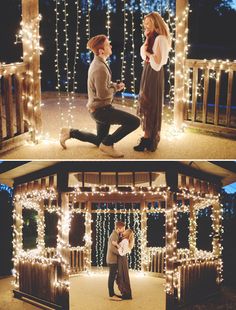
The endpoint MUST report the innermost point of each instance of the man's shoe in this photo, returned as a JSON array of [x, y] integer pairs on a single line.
[[118, 295], [115, 298], [64, 135], [109, 150]]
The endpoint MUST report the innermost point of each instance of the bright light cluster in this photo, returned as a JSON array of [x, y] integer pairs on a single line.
[[175, 259]]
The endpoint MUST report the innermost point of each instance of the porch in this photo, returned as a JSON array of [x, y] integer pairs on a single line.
[[183, 145], [90, 291], [203, 98]]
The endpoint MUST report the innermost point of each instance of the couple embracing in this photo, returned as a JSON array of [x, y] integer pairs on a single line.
[[120, 243], [101, 91]]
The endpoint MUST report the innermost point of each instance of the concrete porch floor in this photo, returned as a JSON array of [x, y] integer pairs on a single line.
[[7, 301], [90, 292], [187, 145]]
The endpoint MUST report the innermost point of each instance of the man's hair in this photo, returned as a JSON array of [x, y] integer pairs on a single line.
[[96, 43], [119, 224]]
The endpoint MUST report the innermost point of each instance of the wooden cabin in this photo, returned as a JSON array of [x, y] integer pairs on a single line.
[[20, 94], [69, 188]]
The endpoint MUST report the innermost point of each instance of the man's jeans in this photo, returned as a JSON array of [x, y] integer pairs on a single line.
[[111, 279], [105, 117]]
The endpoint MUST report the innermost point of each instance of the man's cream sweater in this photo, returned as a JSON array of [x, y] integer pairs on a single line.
[[100, 87]]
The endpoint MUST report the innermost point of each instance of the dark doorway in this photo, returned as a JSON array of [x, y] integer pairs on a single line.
[[6, 233]]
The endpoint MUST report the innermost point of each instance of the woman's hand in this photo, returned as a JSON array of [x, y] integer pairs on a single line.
[[147, 53], [146, 32], [115, 243]]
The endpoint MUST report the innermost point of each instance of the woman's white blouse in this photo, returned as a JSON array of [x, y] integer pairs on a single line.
[[161, 43], [123, 248]]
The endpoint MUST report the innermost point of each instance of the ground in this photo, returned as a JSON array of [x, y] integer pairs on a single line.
[[187, 145], [91, 292], [226, 300]]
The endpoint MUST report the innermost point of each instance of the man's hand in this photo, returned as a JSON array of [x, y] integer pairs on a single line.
[[120, 86]]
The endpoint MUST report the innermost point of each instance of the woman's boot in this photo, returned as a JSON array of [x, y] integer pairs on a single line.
[[143, 145]]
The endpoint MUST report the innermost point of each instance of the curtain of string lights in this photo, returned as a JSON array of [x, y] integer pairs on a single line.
[[78, 20], [105, 224]]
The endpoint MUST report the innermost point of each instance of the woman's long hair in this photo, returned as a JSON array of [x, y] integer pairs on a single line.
[[160, 25], [129, 234]]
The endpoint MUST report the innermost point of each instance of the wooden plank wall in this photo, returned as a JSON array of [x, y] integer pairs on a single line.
[[196, 281], [13, 103], [38, 280]]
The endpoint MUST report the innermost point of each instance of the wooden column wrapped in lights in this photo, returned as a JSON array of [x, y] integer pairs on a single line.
[[181, 45], [172, 177], [65, 219], [40, 227], [171, 249], [17, 238], [88, 235], [216, 242], [31, 57]]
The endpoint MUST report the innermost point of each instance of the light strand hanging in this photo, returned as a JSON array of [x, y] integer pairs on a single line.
[[108, 16], [124, 52], [66, 68], [77, 46], [56, 62], [88, 27], [133, 81]]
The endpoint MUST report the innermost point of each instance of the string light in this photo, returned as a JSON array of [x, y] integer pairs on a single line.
[[46, 199], [77, 47], [88, 27], [29, 36], [66, 69], [56, 61], [108, 21], [133, 81]]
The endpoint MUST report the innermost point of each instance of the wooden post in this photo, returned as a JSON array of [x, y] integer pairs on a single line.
[[171, 250], [144, 254], [171, 235], [88, 236], [65, 228], [40, 228], [217, 248], [31, 56], [180, 56], [18, 238]]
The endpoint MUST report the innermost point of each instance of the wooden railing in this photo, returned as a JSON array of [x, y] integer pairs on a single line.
[[76, 258], [211, 107], [157, 258], [196, 280], [15, 114]]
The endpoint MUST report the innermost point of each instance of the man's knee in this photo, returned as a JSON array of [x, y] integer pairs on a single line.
[[136, 122]]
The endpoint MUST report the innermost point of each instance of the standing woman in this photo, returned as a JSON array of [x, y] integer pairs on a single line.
[[124, 248], [154, 52]]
